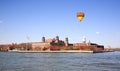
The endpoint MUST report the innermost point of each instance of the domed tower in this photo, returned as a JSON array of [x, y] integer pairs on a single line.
[[66, 41], [43, 39], [57, 39]]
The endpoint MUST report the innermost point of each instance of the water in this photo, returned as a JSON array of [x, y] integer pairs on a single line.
[[109, 61]]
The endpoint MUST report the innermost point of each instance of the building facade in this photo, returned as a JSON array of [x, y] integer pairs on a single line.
[[57, 44], [49, 44], [53, 44]]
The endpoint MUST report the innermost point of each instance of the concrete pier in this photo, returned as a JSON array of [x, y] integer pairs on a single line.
[[62, 51]]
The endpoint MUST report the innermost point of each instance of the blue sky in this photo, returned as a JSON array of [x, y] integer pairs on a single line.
[[37, 18]]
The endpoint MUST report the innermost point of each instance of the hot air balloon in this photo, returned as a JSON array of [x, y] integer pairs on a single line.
[[80, 15]]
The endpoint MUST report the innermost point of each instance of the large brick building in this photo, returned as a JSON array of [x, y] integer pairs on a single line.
[[53, 45], [88, 46], [56, 44], [49, 44]]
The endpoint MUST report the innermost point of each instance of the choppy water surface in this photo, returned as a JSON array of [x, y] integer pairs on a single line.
[[109, 61]]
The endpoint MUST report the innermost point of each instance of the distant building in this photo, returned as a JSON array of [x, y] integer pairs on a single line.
[[40, 45], [53, 44], [49, 44], [4, 47], [57, 44], [88, 46]]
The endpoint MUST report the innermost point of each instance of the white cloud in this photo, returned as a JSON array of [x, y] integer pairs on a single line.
[[4, 41], [97, 33], [1, 40]]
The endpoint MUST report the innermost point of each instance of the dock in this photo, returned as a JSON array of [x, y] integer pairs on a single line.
[[62, 51]]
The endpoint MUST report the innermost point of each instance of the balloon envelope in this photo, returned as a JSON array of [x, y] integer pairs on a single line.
[[80, 15]]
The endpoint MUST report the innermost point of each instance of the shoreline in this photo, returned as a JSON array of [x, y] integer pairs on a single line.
[[61, 51]]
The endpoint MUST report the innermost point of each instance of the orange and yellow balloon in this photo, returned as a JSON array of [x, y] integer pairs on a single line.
[[80, 15]]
